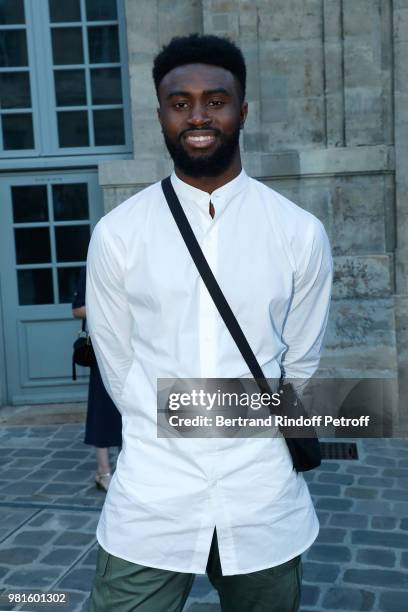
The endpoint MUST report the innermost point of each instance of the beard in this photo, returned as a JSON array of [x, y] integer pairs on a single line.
[[204, 165]]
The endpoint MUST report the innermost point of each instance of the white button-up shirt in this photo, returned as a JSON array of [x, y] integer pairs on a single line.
[[150, 316]]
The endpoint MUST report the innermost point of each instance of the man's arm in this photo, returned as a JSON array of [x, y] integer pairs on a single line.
[[108, 315], [306, 321]]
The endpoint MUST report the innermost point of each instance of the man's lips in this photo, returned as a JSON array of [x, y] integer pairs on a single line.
[[200, 140]]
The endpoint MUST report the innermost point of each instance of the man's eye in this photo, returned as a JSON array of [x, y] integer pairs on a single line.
[[215, 103], [180, 105]]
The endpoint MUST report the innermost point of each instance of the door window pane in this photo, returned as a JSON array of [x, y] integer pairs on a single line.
[[13, 48], [101, 10], [35, 287], [15, 90], [67, 283], [18, 131], [109, 129], [64, 10], [70, 87], [106, 86], [11, 12], [29, 203], [103, 44], [32, 245], [67, 46], [70, 202], [73, 129], [72, 242]]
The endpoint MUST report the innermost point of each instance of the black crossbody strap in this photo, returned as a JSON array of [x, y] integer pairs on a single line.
[[212, 285]]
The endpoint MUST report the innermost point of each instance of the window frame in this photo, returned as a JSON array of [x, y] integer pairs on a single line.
[[43, 97]]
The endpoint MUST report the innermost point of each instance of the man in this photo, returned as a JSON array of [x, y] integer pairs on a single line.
[[150, 317]]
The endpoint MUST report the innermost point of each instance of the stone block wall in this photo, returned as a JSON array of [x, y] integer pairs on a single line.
[[327, 127]]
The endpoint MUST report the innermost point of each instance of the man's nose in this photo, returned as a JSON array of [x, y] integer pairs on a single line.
[[199, 116]]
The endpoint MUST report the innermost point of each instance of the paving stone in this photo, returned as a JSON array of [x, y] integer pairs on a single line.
[[59, 464], [78, 580], [329, 466], [361, 493], [399, 509], [372, 481], [87, 465], [15, 473], [332, 503], [376, 556], [320, 572], [201, 587], [74, 538], [77, 520], [56, 444], [361, 470], [404, 559], [90, 558], [3, 571], [31, 537], [323, 517], [395, 494], [343, 598], [62, 556], [383, 522], [74, 476], [341, 479], [41, 519], [404, 523], [21, 488], [62, 489], [71, 454], [395, 473], [380, 461], [373, 507], [374, 577], [11, 518], [330, 553], [18, 556], [41, 475], [310, 594], [26, 462], [331, 535], [33, 578], [31, 452], [316, 488], [380, 538], [393, 601], [340, 519]]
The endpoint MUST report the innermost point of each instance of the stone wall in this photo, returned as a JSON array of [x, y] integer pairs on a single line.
[[327, 91]]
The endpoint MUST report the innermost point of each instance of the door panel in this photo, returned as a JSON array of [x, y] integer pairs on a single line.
[[47, 223]]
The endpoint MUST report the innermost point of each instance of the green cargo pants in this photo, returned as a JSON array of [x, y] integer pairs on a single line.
[[121, 586]]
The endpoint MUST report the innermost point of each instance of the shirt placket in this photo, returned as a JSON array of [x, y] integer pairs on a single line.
[[207, 309]]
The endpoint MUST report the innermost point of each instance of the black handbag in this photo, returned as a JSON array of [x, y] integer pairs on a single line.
[[305, 452], [83, 353]]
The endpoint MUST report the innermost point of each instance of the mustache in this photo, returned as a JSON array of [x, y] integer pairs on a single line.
[[194, 130]]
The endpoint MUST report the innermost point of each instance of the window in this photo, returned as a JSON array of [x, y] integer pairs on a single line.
[[62, 78], [51, 225]]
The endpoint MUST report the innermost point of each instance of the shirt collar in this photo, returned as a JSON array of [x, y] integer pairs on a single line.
[[221, 197]]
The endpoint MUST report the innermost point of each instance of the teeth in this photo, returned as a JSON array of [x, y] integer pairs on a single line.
[[200, 138]]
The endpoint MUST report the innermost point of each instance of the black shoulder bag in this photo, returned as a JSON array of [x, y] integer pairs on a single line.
[[305, 452], [83, 353]]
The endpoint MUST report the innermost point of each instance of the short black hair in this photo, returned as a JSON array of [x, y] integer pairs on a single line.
[[200, 49]]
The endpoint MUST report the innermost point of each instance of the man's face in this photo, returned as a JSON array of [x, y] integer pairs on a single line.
[[201, 113]]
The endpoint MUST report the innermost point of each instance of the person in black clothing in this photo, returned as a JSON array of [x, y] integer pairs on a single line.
[[103, 421]]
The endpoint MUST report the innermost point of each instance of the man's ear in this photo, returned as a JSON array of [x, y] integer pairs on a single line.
[[243, 114]]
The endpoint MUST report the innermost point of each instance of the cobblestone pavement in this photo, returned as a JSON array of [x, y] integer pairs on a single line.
[[49, 508]]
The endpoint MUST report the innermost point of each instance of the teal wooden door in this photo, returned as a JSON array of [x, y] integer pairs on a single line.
[[46, 224]]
